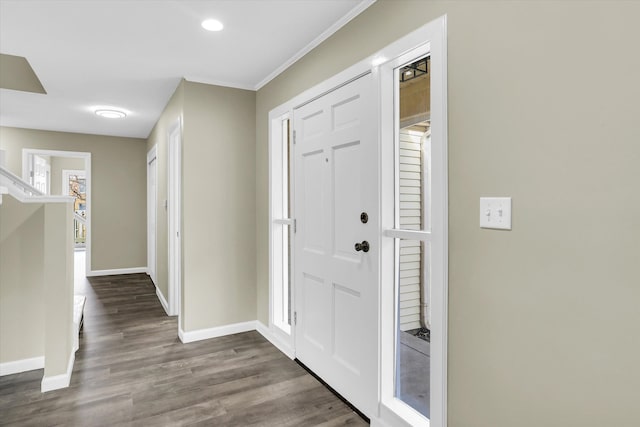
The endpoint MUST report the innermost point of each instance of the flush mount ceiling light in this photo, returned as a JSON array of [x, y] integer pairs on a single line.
[[212, 25], [111, 114]]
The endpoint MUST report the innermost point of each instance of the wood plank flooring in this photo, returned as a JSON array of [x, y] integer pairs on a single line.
[[131, 369]]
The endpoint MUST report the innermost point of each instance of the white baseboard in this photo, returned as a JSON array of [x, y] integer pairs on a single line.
[[23, 365], [205, 334], [274, 339], [163, 301], [116, 271], [59, 381]]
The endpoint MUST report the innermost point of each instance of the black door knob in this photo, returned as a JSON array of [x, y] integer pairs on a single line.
[[364, 246]]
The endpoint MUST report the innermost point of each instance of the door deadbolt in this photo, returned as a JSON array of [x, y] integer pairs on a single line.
[[364, 217], [364, 246]]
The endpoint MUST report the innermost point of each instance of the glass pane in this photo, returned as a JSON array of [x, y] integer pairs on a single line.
[[414, 147], [412, 331], [286, 298], [413, 207], [77, 189], [282, 235], [286, 209]]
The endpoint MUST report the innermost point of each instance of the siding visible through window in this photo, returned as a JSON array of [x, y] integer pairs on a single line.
[[411, 208]]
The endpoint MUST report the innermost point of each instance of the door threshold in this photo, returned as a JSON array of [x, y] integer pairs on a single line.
[[332, 390]]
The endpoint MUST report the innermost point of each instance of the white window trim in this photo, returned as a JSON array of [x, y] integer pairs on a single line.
[[430, 39], [282, 334]]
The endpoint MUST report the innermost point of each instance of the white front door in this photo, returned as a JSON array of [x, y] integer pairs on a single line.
[[336, 185]]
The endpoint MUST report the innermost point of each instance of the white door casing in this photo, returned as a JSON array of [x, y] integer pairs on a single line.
[[336, 294], [152, 207]]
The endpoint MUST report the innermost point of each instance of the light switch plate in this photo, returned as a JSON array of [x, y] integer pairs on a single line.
[[495, 212]]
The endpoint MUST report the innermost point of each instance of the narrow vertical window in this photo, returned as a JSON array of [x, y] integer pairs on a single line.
[[281, 225], [413, 253]]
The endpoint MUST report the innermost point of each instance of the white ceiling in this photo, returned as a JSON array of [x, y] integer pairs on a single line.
[[131, 54]]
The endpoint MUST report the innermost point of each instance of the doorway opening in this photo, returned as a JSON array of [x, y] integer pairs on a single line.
[[65, 173]]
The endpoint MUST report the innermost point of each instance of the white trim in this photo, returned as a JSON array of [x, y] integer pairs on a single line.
[[87, 170], [219, 331], [23, 198], [344, 20], [287, 221], [116, 271], [163, 301], [22, 365], [408, 234], [59, 381], [281, 344]]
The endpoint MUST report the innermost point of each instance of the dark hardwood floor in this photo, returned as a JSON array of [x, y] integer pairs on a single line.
[[131, 369]]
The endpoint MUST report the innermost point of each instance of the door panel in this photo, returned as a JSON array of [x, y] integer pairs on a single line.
[[313, 201], [336, 179], [346, 183]]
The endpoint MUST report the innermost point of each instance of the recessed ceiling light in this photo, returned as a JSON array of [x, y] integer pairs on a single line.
[[212, 25], [111, 114]]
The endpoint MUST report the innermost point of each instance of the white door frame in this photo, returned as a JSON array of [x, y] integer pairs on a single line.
[[26, 152], [152, 211], [391, 410], [175, 218]]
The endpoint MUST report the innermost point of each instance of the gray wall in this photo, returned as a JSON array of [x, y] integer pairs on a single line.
[[21, 280], [542, 107], [218, 203], [119, 191], [218, 206], [36, 283]]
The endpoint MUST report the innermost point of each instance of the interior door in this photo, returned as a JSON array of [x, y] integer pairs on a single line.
[[336, 207]]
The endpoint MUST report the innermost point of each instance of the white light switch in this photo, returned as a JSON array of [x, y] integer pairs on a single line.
[[495, 212]]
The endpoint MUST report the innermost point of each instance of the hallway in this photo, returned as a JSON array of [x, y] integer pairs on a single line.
[[131, 369]]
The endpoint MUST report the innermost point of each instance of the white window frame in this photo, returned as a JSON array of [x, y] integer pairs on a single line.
[[429, 40], [280, 333]]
